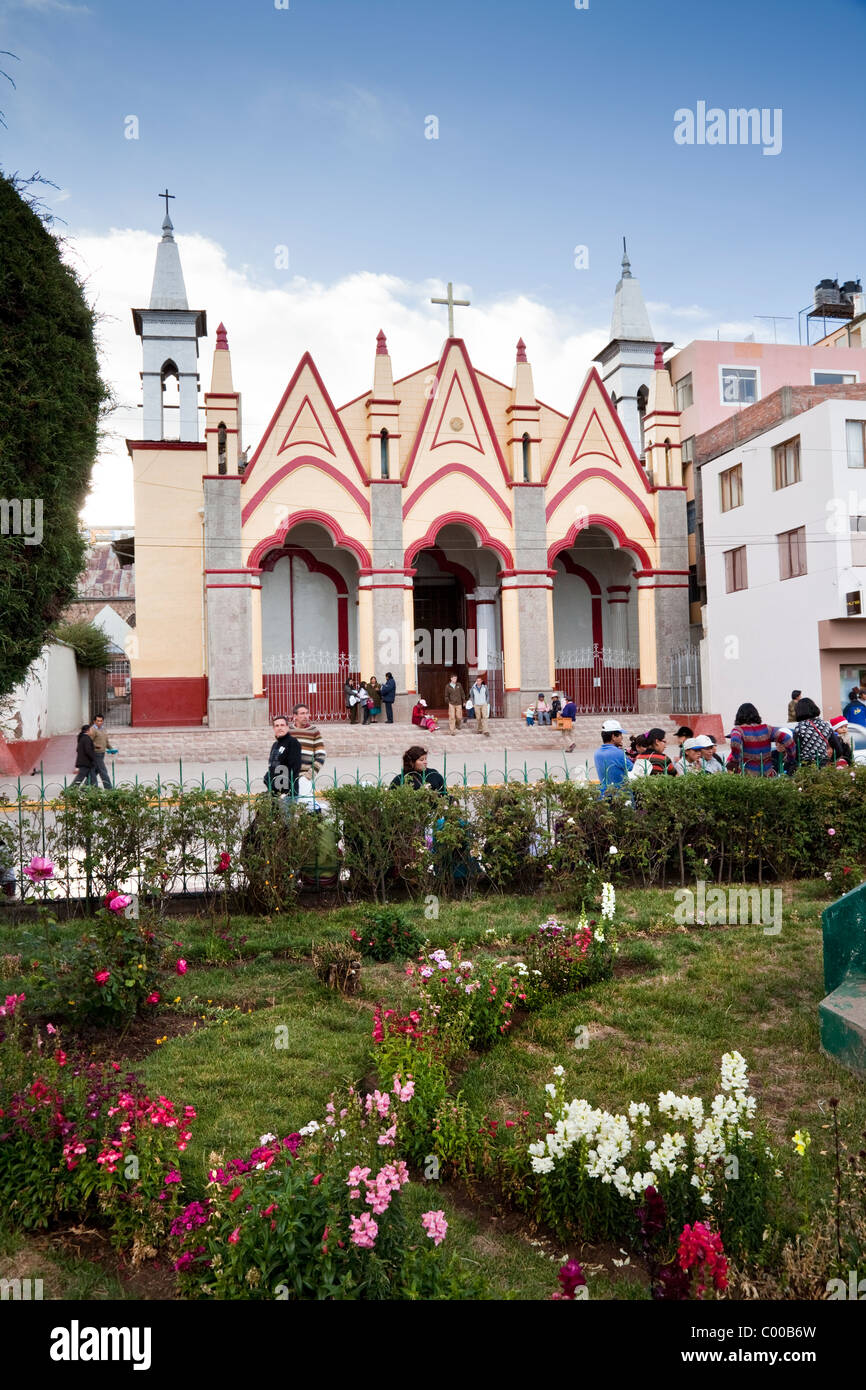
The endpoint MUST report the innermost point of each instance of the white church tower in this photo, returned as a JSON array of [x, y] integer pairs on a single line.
[[169, 332], [627, 363]]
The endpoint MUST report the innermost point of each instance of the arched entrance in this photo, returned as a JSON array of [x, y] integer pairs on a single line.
[[457, 622], [595, 623], [309, 622]]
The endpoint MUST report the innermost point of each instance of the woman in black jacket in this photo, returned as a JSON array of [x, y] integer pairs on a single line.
[[388, 694], [85, 758]]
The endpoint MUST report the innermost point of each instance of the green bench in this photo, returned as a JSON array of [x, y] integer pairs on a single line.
[[842, 1014]]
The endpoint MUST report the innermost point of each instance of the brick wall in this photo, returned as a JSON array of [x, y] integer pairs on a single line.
[[783, 404]]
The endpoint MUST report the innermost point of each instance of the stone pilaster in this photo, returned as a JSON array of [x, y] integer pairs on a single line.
[[232, 702]]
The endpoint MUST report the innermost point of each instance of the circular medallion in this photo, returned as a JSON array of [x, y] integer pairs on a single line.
[[456, 423]]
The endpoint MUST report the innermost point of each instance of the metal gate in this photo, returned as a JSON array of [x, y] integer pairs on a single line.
[[599, 679], [686, 681], [110, 693]]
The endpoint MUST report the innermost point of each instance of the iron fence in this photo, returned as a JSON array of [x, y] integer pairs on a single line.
[[685, 669], [313, 678], [599, 679]]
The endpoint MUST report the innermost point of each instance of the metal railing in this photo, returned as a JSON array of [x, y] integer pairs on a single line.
[[685, 669], [599, 679]]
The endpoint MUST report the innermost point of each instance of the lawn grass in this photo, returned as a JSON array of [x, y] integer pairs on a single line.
[[265, 1043]]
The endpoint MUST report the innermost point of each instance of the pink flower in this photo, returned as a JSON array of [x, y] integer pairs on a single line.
[[235, 1236], [172, 1175], [39, 869], [317, 1179], [49, 1028], [181, 966], [831, 831], [435, 1225], [364, 1231], [101, 976], [387, 1138], [152, 998], [119, 902], [357, 1176]]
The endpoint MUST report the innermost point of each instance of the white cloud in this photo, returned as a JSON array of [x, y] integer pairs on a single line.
[[48, 6]]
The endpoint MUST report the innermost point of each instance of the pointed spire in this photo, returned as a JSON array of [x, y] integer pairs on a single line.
[[169, 290], [383, 376], [659, 359], [381, 344], [630, 320], [521, 350], [221, 372]]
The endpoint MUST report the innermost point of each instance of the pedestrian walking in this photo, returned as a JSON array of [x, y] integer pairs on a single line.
[[388, 694], [480, 704], [85, 758], [101, 741], [284, 760], [455, 699], [611, 763], [312, 748], [565, 721], [416, 772], [753, 744]]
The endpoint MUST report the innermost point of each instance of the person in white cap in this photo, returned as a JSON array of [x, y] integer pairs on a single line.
[[691, 760], [611, 763], [710, 760]]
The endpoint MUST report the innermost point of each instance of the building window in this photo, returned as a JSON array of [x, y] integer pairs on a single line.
[[222, 452], [694, 586], [691, 519], [525, 442], [786, 464], [739, 385], [383, 453], [642, 398], [792, 553], [858, 540], [688, 449], [735, 570], [731, 481], [855, 438], [833, 378], [684, 392]]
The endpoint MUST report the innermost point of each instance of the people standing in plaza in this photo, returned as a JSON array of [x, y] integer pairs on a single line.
[[284, 760], [817, 740], [654, 761], [85, 758], [389, 694], [753, 744], [855, 710], [312, 748], [416, 773], [455, 699], [351, 700], [480, 704], [99, 735], [792, 706], [611, 763], [374, 691]]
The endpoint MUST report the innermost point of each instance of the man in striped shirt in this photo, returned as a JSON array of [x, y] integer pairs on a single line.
[[308, 736]]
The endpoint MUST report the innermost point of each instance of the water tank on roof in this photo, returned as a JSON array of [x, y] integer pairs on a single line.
[[851, 287], [827, 292]]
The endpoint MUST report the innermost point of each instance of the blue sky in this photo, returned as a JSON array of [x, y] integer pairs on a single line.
[[555, 130]]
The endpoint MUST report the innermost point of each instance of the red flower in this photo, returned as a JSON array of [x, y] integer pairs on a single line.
[[60, 1057], [109, 897], [317, 1179], [235, 1236], [101, 976], [235, 1193], [152, 998]]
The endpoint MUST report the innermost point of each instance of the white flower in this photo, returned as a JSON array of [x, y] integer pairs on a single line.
[[344, 875], [542, 1165], [559, 1071], [536, 972], [613, 850], [598, 934], [267, 1138], [608, 900], [465, 965], [550, 1088], [309, 1128]]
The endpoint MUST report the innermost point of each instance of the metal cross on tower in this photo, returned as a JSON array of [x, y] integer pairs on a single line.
[[166, 195], [451, 301]]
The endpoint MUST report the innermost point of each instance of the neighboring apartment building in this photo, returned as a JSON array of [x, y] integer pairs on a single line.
[[717, 381], [783, 484]]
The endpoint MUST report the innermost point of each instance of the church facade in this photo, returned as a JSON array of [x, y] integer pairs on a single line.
[[445, 520]]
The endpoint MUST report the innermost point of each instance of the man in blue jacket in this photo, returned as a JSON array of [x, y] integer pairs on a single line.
[[611, 764], [387, 695], [855, 710]]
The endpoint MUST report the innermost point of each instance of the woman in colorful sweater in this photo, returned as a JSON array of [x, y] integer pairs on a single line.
[[753, 744]]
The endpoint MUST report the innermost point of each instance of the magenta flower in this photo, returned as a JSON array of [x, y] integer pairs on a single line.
[[39, 869], [235, 1236], [153, 998], [181, 967], [119, 902], [102, 976], [435, 1225]]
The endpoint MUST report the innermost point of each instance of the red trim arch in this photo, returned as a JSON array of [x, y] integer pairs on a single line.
[[455, 468], [589, 579], [623, 543], [333, 528], [306, 461], [609, 478], [317, 566], [478, 529]]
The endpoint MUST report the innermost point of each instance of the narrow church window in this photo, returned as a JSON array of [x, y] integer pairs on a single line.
[[642, 398], [222, 452], [170, 399], [667, 461], [383, 446], [526, 458]]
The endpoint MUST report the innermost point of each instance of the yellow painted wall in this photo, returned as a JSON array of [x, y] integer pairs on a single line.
[[168, 551]]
